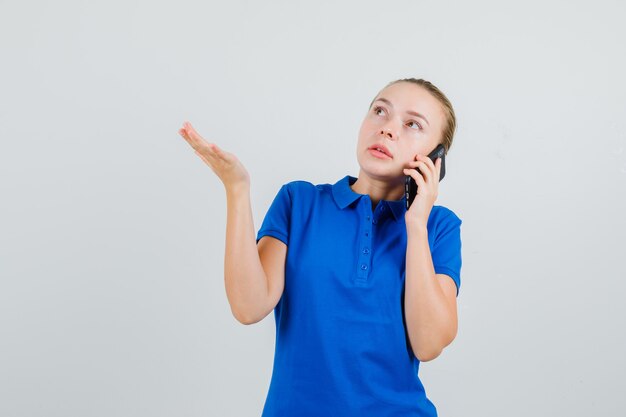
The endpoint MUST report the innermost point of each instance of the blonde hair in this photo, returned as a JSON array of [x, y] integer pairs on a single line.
[[449, 127]]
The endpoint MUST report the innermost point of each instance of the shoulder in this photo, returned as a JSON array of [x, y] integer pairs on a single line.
[[442, 214], [443, 220], [302, 184], [298, 185], [304, 188]]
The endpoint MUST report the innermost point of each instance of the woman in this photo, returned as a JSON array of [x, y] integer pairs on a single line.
[[367, 289]]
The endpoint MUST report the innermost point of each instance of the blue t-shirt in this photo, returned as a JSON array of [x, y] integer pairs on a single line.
[[342, 349]]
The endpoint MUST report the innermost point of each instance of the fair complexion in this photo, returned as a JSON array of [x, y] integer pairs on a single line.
[[254, 280], [392, 120], [253, 274]]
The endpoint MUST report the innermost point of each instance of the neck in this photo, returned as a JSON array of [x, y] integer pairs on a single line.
[[378, 189]]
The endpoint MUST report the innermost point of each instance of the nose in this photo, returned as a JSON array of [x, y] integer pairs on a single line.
[[389, 131]]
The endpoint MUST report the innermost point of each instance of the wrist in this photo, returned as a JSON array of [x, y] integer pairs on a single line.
[[416, 227], [238, 190]]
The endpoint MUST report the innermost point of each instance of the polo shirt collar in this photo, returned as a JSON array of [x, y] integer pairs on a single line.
[[344, 196], [398, 207]]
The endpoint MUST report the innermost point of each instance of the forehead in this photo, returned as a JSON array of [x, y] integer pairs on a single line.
[[410, 97]]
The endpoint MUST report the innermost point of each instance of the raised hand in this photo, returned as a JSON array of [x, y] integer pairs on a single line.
[[225, 164]]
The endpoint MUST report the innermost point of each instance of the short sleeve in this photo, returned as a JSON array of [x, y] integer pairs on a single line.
[[446, 252], [278, 217]]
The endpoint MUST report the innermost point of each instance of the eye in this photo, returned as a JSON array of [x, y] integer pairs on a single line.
[[415, 123], [376, 109]]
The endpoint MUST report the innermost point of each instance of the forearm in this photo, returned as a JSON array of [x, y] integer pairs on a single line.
[[244, 277], [430, 322]]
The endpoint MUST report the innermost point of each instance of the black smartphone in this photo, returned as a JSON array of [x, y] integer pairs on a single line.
[[410, 186]]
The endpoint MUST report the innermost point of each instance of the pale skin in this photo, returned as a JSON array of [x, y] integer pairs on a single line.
[[255, 274]]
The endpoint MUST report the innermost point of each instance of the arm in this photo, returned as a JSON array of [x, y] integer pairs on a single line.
[[429, 301], [253, 275], [429, 298]]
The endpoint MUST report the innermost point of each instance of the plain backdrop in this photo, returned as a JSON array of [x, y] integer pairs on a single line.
[[112, 299]]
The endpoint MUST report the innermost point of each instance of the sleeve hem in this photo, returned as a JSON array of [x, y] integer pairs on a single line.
[[451, 273], [274, 233]]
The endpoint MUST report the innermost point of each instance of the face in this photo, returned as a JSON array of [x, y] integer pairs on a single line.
[[393, 122]]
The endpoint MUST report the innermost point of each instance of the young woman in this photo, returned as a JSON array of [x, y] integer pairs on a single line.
[[362, 289]]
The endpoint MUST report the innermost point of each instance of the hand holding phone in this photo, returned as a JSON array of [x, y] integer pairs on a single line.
[[410, 186]]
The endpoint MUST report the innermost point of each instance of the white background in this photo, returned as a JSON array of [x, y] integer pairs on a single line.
[[112, 299]]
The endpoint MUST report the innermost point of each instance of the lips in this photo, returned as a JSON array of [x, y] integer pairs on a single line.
[[382, 148]]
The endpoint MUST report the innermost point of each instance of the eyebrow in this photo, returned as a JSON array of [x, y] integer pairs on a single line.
[[414, 113]]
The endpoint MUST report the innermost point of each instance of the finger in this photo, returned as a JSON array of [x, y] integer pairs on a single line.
[[207, 160], [182, 133], [416, 176], [208, 149], [217, 150], [411, 164], [430, 163], [193, 133], [185, 134], [423, 169], [433, 167], [195, 138], [417, 163], [218, 153], [186, 124], [190, 128], [202, 157], [202, 147], [421, 184]]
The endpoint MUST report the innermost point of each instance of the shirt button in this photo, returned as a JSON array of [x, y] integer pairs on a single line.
[[367, 234], [368, 218], [366, 251], [375, 221], [383, 208], [363, 266]]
